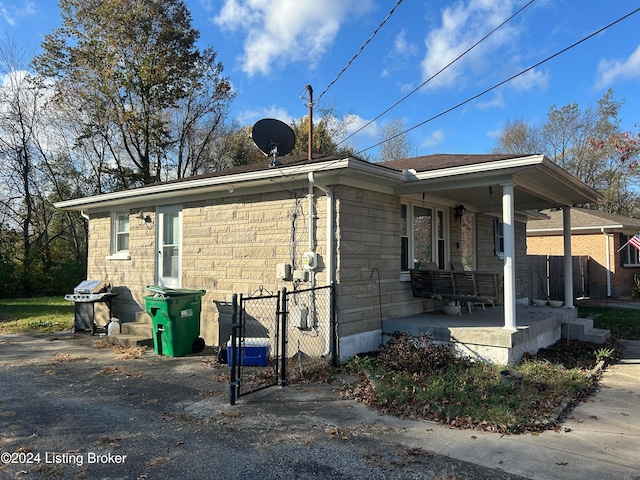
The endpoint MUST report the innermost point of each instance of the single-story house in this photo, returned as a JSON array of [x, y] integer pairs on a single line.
[[601, 236], [340, 218]]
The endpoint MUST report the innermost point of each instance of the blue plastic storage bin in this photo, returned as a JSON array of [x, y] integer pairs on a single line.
[[252, 352]]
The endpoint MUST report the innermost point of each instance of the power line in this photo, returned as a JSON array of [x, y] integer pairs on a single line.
[[360, 50], [505, 81], [436, 74]]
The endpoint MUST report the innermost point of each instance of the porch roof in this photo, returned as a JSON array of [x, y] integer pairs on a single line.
[[476, 181]]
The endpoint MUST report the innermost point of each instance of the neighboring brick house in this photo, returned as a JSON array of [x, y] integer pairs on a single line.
[[227, 231], [598, 235]]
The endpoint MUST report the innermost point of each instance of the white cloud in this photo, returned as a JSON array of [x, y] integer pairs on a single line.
[[497, 101], [530, 80], [402, 47], [8, 17], [249, 117], [612, 71], [356, 122], [11, 13], [285, 31], [462, 25], [434, 138]]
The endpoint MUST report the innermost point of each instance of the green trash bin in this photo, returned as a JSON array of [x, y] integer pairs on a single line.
[[175, 314]]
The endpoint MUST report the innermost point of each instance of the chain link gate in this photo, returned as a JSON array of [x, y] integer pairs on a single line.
[[277, 337]]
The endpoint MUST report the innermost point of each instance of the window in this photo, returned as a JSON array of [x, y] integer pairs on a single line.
[[121, 232], [423, 238], [628, 255]]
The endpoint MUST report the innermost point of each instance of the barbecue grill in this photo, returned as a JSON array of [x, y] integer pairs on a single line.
[[85, 296]]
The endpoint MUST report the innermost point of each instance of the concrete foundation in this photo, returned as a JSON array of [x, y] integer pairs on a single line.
[[481, 334]]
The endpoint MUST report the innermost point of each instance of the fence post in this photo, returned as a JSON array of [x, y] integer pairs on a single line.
[[283, 336], [333, 326], [232, 356]]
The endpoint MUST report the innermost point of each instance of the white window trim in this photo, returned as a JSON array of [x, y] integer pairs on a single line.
[[435, 208], [118, 254]]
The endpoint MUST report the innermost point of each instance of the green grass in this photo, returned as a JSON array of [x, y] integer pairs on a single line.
[[421, 380], [622, 322], [35, 315]]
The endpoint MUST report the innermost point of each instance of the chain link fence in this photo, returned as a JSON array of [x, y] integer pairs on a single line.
[[286, 337]]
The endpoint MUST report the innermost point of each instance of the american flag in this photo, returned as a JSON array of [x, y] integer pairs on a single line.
[[635, 241]]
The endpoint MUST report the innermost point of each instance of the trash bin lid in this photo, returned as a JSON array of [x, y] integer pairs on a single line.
[[173, 292]]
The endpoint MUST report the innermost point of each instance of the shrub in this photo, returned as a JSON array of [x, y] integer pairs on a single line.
[[403, 353]]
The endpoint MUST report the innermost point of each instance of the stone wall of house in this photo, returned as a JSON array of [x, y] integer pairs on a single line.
[[368, 258], [128, 277], [487, 260], [595, 247], [229, 245]]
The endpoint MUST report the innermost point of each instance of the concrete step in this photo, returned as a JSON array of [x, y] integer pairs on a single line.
[[581, 329], [134, 334], [130, 340], [143, 317], [596, 335], [137, 328]]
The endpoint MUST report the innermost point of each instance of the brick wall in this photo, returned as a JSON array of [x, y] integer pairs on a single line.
[[595, 247]]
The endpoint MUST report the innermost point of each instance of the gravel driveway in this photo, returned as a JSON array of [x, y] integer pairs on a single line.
[[72, 411]]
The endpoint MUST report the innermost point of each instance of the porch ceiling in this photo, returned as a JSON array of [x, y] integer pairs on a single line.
[[538, 184]]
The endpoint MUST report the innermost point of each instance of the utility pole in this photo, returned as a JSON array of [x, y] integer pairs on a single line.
[[310, 149]]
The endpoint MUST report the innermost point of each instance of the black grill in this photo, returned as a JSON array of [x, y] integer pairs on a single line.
[[85, 296]]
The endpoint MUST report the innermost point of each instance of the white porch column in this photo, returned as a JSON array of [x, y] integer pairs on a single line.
[[509, 257], [568, 268]]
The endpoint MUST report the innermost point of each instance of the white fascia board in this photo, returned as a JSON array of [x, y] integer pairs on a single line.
[[192, 187], [481, 167]]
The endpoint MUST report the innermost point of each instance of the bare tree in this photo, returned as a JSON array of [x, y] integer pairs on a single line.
[[577, 139], [32, 181], [519, 137], [396, 144]]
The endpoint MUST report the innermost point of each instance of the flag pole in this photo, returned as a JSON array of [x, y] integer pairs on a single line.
[[623, 246], [636, 236]]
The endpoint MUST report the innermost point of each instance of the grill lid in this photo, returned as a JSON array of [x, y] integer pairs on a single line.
[[90, 286]]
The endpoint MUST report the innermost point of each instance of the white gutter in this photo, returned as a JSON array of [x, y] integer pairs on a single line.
[[222, 182], [608, 253], [480, 167], [328, 262]]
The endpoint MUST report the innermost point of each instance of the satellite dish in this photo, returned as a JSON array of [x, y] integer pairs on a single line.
[[273, 137]]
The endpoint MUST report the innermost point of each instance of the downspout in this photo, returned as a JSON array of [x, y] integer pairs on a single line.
[[311, 222], [608, 254], [328, 262]]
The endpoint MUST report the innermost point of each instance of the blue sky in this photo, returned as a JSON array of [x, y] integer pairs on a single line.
[[271, 49]]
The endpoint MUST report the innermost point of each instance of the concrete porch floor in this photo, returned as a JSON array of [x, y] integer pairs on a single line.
[[480, 334]]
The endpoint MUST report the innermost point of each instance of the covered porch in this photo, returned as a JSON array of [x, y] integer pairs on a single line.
[[509, 188], [482, 336]]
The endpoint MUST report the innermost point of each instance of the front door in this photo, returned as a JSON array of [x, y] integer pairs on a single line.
[[170, 246]]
